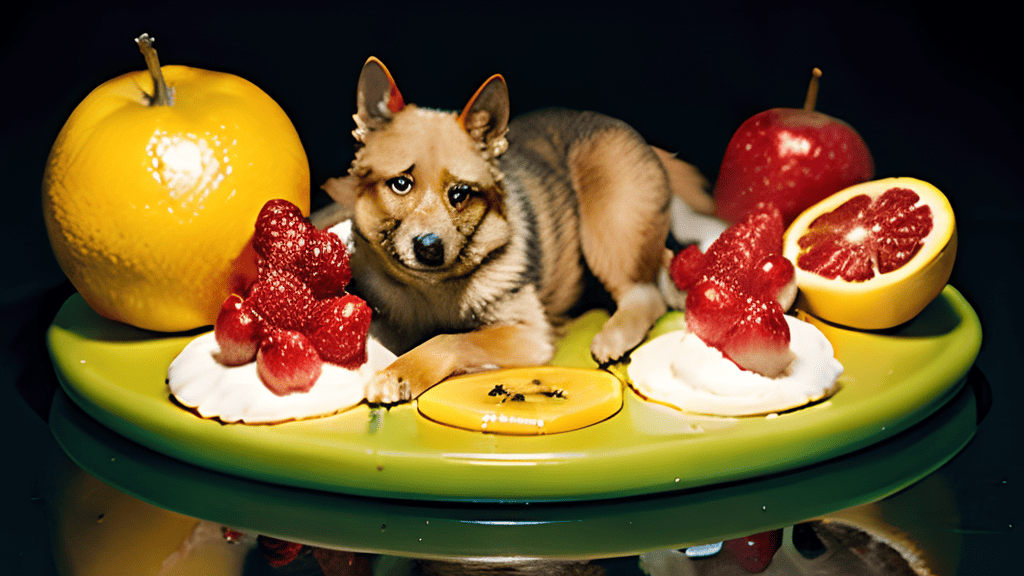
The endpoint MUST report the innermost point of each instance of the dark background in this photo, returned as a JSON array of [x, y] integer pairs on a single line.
[[934, 92]]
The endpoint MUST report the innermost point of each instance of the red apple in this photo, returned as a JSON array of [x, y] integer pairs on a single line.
[[792, 158]]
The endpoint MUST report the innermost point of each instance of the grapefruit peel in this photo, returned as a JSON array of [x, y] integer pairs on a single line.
[[886, 299]]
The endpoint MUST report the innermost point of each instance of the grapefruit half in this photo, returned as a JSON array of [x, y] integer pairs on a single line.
[[873, 255]]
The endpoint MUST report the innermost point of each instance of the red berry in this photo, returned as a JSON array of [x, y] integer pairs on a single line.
[[759, 342], [281, 234], [325, 267], [237, 331], [734, 289], [294, 309], [687, 267], [737, 252], [770, 276], [712, 309], [338, 330], [754, 553], [749, 330], [288, 362], [282, 299]]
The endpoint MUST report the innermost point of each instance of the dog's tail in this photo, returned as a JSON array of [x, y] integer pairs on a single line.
[[686, 182], [693, 208]]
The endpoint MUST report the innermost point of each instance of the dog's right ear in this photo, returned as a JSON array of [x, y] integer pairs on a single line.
[[486, 115], [377, 98]]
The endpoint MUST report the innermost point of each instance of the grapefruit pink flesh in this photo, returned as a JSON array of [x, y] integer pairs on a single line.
[[864, 236]]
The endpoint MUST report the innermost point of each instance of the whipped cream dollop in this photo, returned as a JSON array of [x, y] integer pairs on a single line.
[[680, 370], [236, 393]]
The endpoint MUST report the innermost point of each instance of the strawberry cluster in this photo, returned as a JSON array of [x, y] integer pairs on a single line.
[[733, 292], [296, 315]]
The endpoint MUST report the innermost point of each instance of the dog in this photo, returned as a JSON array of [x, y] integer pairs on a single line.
[[474, 237]]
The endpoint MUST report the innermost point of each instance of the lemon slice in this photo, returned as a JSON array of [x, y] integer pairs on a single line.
[[524, 401], [872, 256]]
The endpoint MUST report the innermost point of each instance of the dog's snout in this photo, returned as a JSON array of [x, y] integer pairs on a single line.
[[429, 249]]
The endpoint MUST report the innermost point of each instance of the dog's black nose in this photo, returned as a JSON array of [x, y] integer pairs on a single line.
[[429, 249]]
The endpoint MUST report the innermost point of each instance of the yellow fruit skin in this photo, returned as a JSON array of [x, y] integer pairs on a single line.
[[150, 209], [885, 304]]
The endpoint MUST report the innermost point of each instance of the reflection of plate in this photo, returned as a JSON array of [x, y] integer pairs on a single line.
[[892, 380], [597, 529]]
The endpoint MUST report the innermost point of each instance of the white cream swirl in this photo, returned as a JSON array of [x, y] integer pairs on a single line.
[[680, 370], [236, 393]]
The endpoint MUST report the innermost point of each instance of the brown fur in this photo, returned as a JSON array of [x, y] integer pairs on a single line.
[[520, 218]]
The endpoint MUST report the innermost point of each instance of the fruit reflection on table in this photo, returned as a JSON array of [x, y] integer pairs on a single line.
[[103, 531]]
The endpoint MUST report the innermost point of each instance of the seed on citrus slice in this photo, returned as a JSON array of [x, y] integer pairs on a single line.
[[524, 401], [872, 256]]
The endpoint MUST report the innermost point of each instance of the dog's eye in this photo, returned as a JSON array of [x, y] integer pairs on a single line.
[[400, 184], [458, 194]]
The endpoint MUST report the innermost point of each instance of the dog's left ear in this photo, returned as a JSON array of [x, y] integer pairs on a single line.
[[377, 97], [485, 118]]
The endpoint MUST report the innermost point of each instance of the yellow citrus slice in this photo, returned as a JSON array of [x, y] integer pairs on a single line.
[[872, 256], [524, 401], [150, 206]]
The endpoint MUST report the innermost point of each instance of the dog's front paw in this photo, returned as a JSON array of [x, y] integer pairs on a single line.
[[388, 387], [637, 311], [610, 345]]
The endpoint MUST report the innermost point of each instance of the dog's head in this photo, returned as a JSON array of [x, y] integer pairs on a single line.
[[425, 189]]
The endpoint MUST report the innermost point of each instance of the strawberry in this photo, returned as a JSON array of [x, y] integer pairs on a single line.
[[281, 234], [287, 362], [296, 315], [338, 330], [759, 342], [738, 251], [771, 277], [325, 266], [688, 267], [712, 309], [749, 330], [754, 553], [282, 299], [734, 291], [237, 331]]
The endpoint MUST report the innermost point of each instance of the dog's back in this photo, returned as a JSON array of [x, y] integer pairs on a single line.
[[598, 195]]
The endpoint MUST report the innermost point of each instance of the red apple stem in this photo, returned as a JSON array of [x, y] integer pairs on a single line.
[[161, 95], [812, 91]]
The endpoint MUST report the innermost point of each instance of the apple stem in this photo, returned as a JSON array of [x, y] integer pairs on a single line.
[[812, 91], [161, 95]]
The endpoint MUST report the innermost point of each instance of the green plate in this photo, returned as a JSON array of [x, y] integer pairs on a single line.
[[592, 529], [892, 380]]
